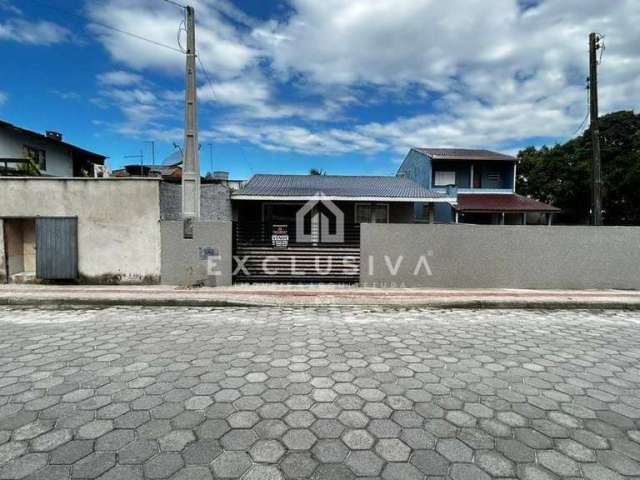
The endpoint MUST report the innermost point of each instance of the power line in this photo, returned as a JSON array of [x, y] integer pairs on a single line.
[[139, 37], [208, 78], [581, 125], [177, 4], [108, 27]]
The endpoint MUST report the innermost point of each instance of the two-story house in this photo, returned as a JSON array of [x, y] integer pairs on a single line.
[[25, 152], [485, 183]]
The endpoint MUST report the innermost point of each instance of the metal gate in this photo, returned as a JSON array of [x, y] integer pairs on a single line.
[[57, 248]]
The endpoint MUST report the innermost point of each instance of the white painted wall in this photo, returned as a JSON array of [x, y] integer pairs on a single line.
[[118, 221], [59, 161]]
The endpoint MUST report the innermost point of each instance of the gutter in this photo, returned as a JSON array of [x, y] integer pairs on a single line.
[[305, 198]]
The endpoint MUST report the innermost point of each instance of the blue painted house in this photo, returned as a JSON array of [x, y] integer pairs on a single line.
[[485, 183]]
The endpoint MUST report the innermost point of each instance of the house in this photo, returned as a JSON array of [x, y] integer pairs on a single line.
[[169, 172], [25, 152], [314, 220], [485, 183]]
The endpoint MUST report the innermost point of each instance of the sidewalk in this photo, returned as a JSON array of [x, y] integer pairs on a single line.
[[316, 295]]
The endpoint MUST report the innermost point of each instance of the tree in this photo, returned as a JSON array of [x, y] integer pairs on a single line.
[[561, 175], [317, 171]]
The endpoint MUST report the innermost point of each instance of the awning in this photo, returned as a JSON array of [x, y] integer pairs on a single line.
[[498, 203]]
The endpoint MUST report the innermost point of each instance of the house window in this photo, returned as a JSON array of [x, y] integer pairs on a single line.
[[376, 213], [443, 179], [37, 156], [494, 179]]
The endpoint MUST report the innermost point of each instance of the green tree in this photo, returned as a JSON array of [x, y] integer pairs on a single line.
[[561, 175], [317, 171]]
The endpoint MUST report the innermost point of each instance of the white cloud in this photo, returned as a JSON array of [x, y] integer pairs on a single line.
[[494, 74], [295, 138], [487, 73], [6, 6], [3, 97], [119, 78], [223, 49], [253, 97], [34, 33]]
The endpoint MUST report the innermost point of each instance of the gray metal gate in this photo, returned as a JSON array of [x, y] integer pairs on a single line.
[[57, 248]]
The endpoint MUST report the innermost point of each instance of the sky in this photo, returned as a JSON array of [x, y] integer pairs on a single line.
[[347, 86]]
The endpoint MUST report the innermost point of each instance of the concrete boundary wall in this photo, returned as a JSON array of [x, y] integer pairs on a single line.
[[118, 221], [185, 262], [3, 267], [485, 256]]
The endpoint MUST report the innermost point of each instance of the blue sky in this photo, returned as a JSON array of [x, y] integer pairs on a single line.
[[343, 85]]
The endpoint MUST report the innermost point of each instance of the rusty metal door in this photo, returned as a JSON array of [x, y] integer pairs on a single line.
[[57, 248]]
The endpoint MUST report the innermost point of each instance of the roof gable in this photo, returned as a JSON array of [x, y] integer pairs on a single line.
[[91, 156]]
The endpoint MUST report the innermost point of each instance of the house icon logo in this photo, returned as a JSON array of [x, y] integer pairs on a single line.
[[316, 214]]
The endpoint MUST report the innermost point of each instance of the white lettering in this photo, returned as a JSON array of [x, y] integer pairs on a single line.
[[393, 269], [422, 262]]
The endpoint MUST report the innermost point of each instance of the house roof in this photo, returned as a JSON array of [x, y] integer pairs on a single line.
[[464, 154], [496, 203], [365, 188], [90, 156]]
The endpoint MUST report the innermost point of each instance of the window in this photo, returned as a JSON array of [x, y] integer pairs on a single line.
[[443, 179], [37, 156], [368, 213], [494, 179]]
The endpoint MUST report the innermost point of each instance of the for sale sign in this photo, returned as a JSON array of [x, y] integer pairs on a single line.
[[280, 236]]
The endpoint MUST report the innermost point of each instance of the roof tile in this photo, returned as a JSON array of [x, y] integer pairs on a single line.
[[335, 186]]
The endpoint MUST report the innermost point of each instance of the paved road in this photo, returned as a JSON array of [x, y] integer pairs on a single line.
[[129, 393]]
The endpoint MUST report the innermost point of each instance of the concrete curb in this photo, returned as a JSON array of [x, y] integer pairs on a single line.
[[537, 304]]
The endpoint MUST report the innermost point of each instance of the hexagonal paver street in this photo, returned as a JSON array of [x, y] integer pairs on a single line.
[[318, 393]]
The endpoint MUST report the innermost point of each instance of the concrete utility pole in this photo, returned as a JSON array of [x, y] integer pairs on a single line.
[[596, 174], [190, 161]]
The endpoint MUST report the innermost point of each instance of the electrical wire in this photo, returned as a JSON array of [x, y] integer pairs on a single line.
[[177, 4], [602, 49], [581, 125], [108, 27], [208, 78]]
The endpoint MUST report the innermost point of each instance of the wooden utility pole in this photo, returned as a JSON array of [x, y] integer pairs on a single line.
[[190, 161], [596, 173]]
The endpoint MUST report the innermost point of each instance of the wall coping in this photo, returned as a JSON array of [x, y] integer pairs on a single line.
[[85, 179]]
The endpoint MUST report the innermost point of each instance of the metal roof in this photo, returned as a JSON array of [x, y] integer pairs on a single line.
[[91, 156], [496, 203], [335, 188], [464, 154]]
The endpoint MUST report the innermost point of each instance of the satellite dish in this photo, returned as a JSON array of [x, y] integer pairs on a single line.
[[173, 159]]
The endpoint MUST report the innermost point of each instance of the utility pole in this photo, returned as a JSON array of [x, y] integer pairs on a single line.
[[190, 162], [596, 173], [153, 151], [210, 157]]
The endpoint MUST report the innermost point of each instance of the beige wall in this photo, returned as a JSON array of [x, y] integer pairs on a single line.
[[118, 221]]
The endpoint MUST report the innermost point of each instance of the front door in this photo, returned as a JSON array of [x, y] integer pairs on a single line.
[[57, 248]]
